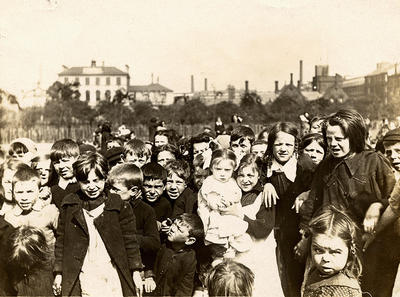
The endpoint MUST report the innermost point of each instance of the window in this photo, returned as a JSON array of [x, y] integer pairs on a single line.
[[97, 95], [97, 81], [87, 95], [87, 81], [65, 80], [118, 81], [107, 81], [108, 95]]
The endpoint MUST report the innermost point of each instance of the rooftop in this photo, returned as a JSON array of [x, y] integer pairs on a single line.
[[89, 71], [149, 88]]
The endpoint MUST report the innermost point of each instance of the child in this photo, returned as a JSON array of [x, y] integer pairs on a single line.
[[7, 171], [176, 261], [28, 209], [6, 288], [217, 192], [29, 262], [242, 138], [161, 138], [97, 253], [114, 156], [136, 151], [63, 154], [165, 154], [335, 262], [126, 180], [182, 198], [23, 149], [154, 179], [230, 278], [199, 172], [259, 147], [48, 177]]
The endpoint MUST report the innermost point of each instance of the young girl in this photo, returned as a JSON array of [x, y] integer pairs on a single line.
[[97, 253], [261, 258], [48, 177], [7, 171], [29, 262], [217, 192], [335, 262], [314, 146], [23, 149]]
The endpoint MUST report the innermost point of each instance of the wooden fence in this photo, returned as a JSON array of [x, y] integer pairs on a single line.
[[49, 134]]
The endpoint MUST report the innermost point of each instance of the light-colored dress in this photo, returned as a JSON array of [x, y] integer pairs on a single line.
[[98, 275], [261, 259], [227, 230]]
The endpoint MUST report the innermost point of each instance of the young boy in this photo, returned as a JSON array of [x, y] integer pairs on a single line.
[[181, 197], [126, 180], [137, 152], [154, 179], [175, 264], [63, 154], [259, 147], [242, 138], [29, 210], [161, 138]]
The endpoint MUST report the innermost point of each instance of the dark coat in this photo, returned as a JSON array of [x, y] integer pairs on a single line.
[[185, 203], [174, 271], [117, 228], [6, 288], [58, 194]]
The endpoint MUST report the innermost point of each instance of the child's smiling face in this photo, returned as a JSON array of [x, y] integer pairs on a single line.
[[329, 253], [93, 187], [64, 168], [26, 193], [247, 178]]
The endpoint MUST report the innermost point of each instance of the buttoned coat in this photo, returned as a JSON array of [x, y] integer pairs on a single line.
[[117, 228]]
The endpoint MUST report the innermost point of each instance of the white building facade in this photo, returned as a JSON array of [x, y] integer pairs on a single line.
[[96, 82]]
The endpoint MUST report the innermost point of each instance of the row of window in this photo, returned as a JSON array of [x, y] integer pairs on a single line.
[[107, 95], [97, 80]]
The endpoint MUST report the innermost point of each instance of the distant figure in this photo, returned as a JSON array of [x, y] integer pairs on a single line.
[[219, 126]]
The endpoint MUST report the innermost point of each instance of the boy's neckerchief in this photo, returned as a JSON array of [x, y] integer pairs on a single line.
[[90, 204]]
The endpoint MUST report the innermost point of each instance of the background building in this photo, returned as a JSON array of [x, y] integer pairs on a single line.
[[96, 82]]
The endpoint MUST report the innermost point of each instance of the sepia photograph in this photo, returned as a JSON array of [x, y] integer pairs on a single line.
[[200, 148]]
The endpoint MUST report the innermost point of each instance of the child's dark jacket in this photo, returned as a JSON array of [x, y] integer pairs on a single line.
[[162, 208], [174, 272], [185, 203], [58, 194], [6, 288], [146, 231], [117, 228]]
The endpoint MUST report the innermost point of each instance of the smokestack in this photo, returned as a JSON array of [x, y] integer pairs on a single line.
[[395, 68], [316, 71], [246, 86], [336, 80], [298, 84], [93, 63], [291, 78], [276, 87], [205, 84], [152, 78], [192, 83], [301, 72], [127, 68]]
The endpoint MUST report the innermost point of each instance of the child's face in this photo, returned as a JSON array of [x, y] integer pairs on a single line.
[[199, 148], [240, 147], [44, 170], [315, 151], [199, 176], [247, 178], [6, 183], [178, 232], [63, 167], [135, 159], [283, 147], [24, 157], [338, 143], [153, 189], [123, 191], [93, 187], [164, 157], [175, 186], [160, 140], [26, 193], [329, 254], [259, 149], [223, 171]]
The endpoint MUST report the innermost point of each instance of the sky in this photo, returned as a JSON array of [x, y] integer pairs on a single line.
[[225, 41]]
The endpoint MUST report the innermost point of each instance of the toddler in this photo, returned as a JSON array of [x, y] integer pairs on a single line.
[[219, 191]]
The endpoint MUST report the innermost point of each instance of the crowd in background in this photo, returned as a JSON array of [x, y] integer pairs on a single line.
[[301, 209]]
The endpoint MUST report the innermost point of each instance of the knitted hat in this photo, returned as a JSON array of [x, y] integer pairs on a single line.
[[392, 135], [114, 154]]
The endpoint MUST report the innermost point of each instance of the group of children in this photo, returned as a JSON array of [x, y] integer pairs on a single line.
[[166, 219]]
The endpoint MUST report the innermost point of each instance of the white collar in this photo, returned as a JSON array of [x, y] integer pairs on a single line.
[[289, 168], [17, 211], [63, 183]]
